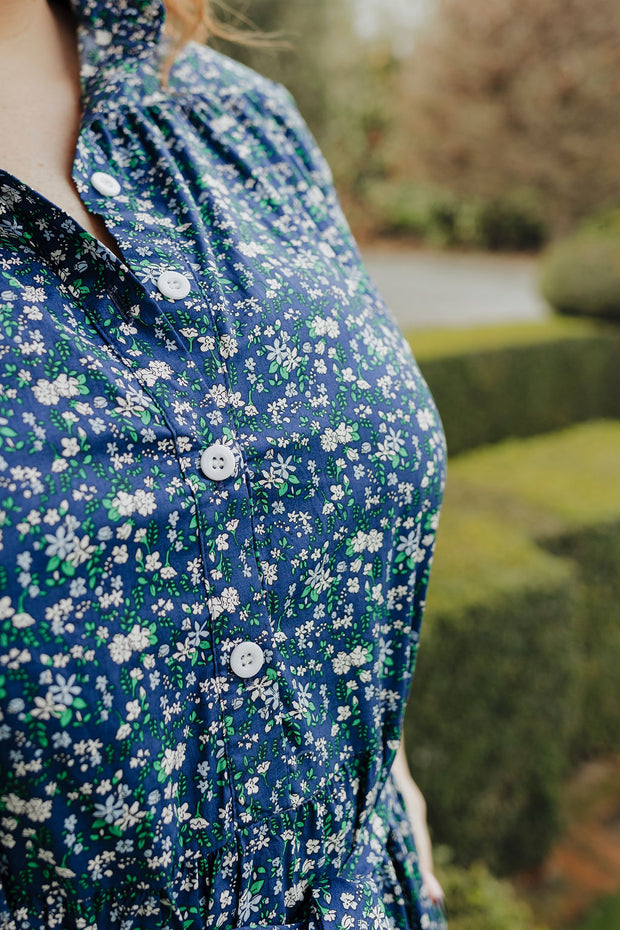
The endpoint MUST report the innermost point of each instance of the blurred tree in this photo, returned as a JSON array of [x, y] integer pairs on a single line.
[[343, 86], [517, 95], [297, 57]]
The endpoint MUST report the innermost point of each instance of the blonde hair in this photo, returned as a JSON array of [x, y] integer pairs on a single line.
[[188, 20], [192, 19]]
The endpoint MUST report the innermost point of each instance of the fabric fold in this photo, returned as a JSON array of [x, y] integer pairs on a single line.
[[348, 904], [274, 927], [5, 912]]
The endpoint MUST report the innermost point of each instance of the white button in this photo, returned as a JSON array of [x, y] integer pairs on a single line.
[[173, 285], [247, 659], [218, 462], [105, 184]]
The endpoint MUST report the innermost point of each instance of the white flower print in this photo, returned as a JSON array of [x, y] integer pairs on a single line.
[[173, 759], [131, 751]]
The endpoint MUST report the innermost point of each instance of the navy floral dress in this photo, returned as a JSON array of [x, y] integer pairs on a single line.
[[220, 475]]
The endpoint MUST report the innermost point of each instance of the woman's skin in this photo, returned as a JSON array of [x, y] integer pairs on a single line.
[[416, 810], [40, 104], [40, 116]]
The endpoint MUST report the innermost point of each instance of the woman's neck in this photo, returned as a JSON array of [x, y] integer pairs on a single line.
[[40, 108], [18, 17], [36, 44], [39, 87]]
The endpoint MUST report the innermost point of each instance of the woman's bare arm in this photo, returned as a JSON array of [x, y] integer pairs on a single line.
[[416, 809]]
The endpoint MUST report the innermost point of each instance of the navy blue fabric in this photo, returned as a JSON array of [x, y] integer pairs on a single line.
[[144, 782]]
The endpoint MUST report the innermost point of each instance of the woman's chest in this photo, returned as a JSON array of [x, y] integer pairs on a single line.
[[272, 351], [254, 461], [113, 401]]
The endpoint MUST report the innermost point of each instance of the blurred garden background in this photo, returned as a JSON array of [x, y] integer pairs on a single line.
[[475, 145]]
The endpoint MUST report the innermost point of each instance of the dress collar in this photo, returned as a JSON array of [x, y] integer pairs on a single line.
[[119, 44]]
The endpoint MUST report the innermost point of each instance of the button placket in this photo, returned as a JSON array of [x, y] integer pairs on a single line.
[[239, 615], [229, 622], [236, 600], [238, 609]]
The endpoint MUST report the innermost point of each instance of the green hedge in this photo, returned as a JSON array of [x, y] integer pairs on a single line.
[[596, 555], [562, 492], [486, 729], [497, 382], [525, 584], [478, 901]]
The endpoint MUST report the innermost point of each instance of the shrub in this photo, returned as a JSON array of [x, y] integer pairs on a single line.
[[508, 222], [496, 382], [565, 496], [478, 901], [400, 207], [525, 585], [605, 916], [580, 275], [442, 219]]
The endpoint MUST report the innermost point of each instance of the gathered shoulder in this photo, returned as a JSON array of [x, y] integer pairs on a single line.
[[200, 69], [228, 89]]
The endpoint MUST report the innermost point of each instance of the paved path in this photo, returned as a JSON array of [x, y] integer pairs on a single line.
[[427, 289]]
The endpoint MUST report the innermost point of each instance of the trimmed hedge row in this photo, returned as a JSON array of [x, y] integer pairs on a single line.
[[499, 382], [596, 553], [562, 492], [525, 585]]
